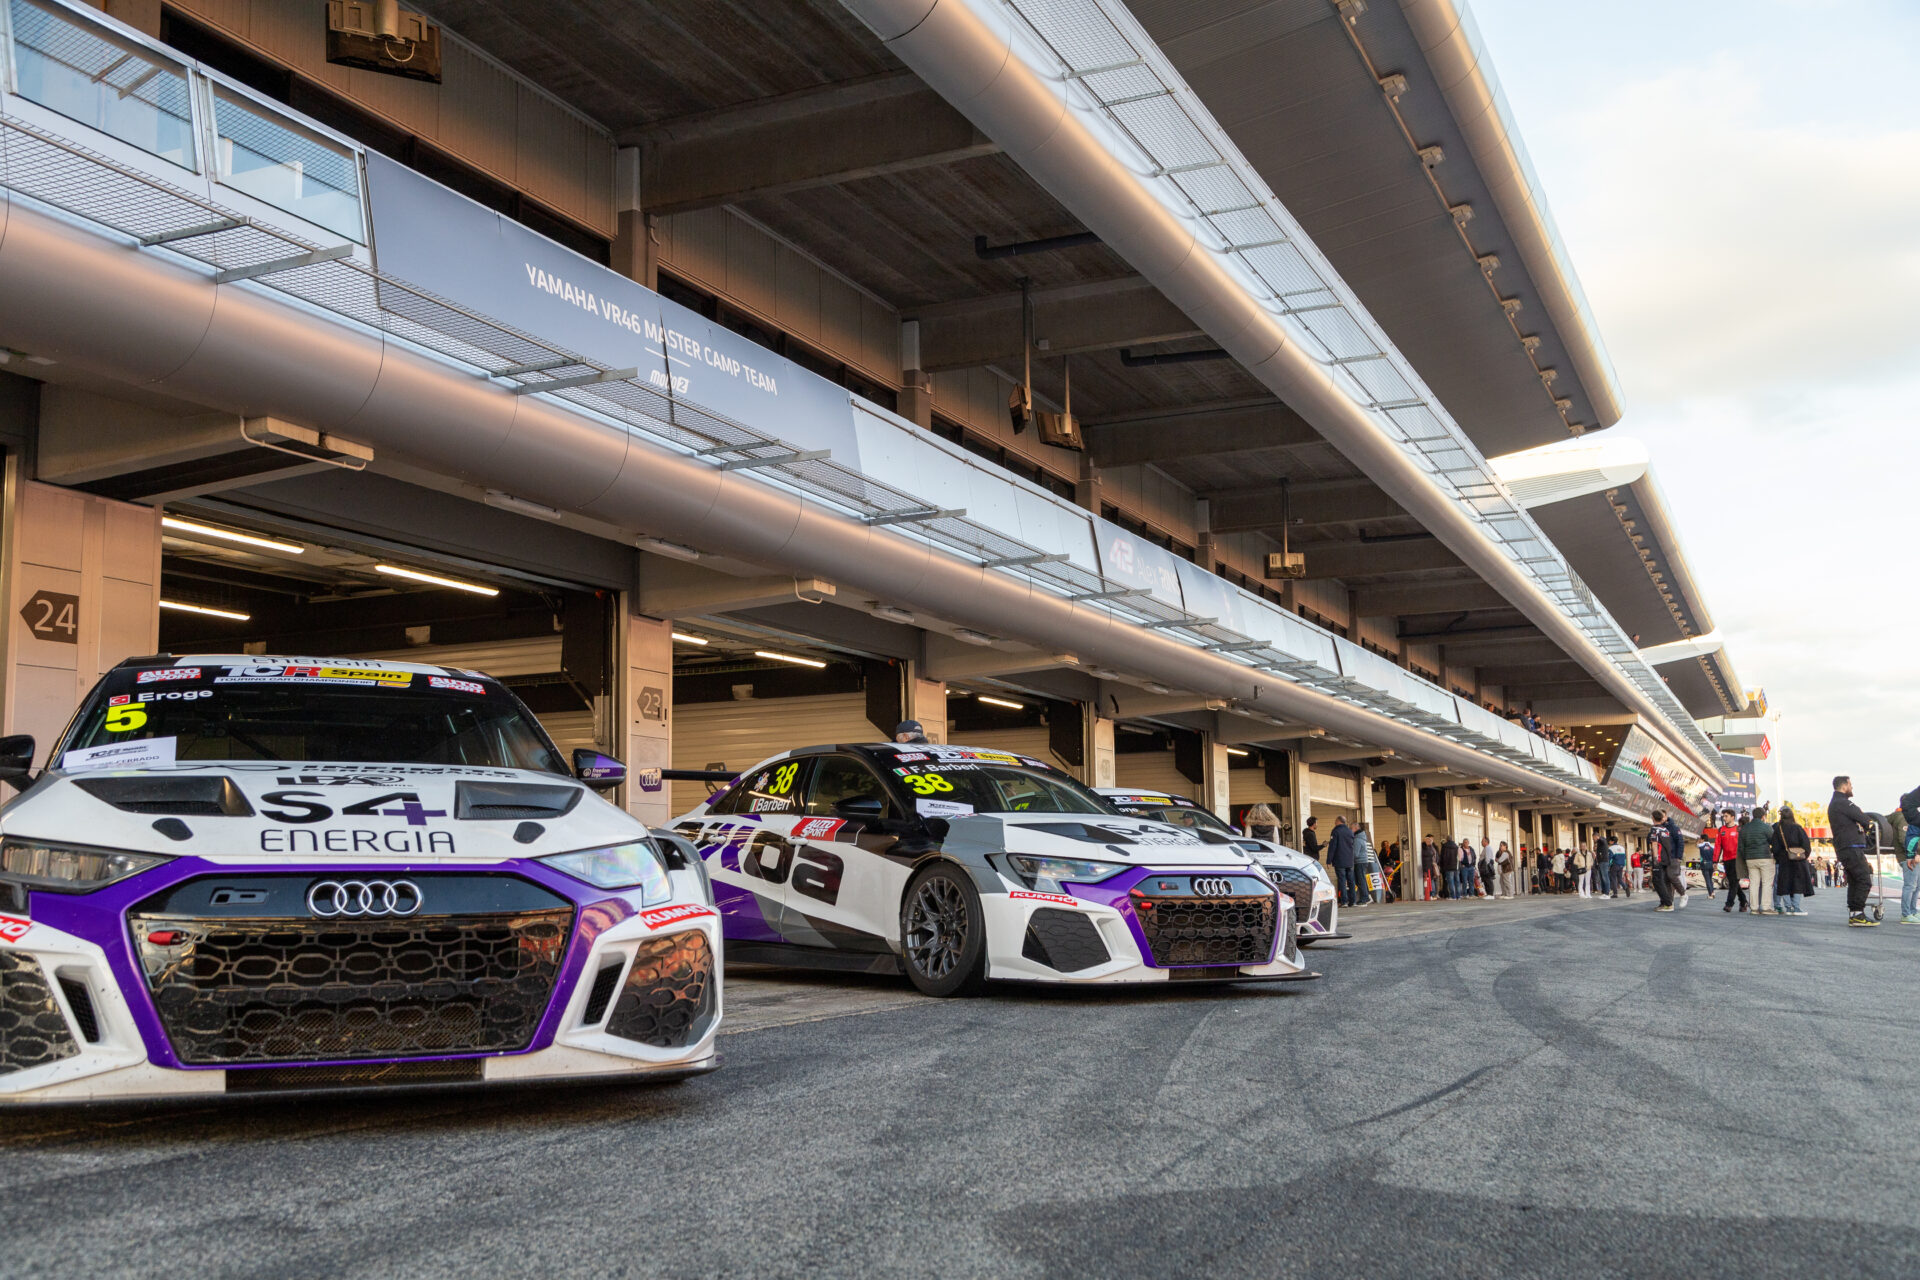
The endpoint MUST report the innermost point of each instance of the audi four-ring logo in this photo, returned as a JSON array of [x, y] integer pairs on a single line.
[[357, 898], [1212, 886]]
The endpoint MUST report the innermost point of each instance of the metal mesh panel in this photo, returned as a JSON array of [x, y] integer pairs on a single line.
[[32, 1030]]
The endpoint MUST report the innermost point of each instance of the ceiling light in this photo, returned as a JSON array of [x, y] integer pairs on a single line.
[[435, 580], [787, 657], [507, 502], [967, 635], [684, 638], [892, 613], [1236, 751], [671, 550], [231, 535], [1162, 689], [211, 613], [1001, 702]]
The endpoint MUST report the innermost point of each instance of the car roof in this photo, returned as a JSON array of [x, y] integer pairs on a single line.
[[274, 660], [1149, 795]]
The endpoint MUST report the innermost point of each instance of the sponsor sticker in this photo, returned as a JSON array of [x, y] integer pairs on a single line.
[[1061, 898], [817, 828], [140, 754], [167, 673], [941, 808], [911, 755], [457, 686], [968, 753], [13, 928], [267, 673], [647, 779], [668, 915]]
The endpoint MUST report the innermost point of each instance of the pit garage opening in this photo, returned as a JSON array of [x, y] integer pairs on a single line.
[[245, 582]]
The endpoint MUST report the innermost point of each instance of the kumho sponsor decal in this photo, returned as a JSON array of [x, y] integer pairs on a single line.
[[669, 915], [1061, 898]]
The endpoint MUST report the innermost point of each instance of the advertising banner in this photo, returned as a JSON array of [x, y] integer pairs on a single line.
[[1134, 562], [1743, 791], [1656, 775], [437, 239]]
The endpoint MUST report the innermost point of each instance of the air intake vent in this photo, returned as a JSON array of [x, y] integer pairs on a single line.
[[603, 984], [80, 1000], [210, 797], [372, 1075], [494, 801]]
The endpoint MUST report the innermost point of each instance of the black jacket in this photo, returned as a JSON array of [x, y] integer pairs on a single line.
[[1788, 833], [1849, 824], [1910, 807], [1449, 856], [1310, 843]]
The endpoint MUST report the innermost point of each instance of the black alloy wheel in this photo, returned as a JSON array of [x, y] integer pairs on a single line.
[[943, 933]]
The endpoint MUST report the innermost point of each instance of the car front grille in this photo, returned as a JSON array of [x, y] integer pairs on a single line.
[[33, 1032], [240, 990], [1298, 885], [670, 996], [1198, 931]]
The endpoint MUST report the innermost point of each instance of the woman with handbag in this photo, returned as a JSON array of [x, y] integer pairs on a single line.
[[1793, 851]]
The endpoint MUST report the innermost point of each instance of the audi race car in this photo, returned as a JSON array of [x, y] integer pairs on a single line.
[[959, 865], [248, 874], [1316, 905]]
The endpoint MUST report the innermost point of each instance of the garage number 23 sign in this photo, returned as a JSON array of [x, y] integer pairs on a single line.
[[53, 615]]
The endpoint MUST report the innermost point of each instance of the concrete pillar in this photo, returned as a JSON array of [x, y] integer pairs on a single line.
[[1086, 491], [916, 384], [1100, 762], [644, 724], [1302, 799], [1217, 788], [927, 703], [635, 253], [80, 577], [1413, 886]]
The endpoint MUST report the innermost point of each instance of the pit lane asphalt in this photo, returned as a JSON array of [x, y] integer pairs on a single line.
[[1539, 1088]]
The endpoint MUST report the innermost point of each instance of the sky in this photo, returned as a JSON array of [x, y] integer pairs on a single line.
[[1738, 185]]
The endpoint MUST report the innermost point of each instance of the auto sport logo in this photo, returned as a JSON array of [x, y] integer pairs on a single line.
[[167, 673], [13, 928], [1061, 898], [668, 915], [817, 828], [457, 686]]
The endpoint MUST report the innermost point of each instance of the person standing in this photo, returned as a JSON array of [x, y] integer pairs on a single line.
[[1450, 866], [1736, 863], [1366, 865], [1665, 849], [1429, 865], [1489, 871], [1503, 862], [1310, 841], [1469, 876], [1617, 866], [1850, 844], [1756, 850], [1559, 870], [1792, 848], [1263, 823], [1341, 854], [1583, 871]]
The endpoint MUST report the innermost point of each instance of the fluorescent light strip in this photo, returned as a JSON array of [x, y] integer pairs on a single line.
[[1001, 702], [787, 657], [435, 580], [687, 639], [1236, 751], [211, 613], [231, 535]]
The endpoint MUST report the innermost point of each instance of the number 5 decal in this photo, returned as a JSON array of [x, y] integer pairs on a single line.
[[125, 718]]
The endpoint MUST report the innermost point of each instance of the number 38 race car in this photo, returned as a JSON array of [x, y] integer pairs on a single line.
[[246, 874], [961, 865]]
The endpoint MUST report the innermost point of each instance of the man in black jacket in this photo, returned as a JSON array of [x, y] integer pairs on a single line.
[[1851, 840], [1450, 866], [1666, 850], [1310, 840]]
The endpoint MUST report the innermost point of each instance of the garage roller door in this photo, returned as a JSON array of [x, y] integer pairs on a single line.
[[739, 734], [504, 659], [1152, 771], [1027, 741]]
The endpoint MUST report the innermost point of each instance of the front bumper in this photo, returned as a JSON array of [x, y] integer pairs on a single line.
[[1095, 935], [131, 992]]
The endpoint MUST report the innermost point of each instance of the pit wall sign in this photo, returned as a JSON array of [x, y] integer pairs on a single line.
[[446, 244]]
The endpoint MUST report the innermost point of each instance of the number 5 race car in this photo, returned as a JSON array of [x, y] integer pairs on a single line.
[[961, 865], [246, 874], [1316, 907]]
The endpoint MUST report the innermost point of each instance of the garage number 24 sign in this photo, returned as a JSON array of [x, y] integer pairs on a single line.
[[53, 615]]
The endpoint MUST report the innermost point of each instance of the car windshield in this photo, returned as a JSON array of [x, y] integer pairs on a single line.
[[334, 710], [944, 788], [1175, 815]]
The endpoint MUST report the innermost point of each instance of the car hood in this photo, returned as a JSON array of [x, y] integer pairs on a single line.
[[1075, 835], [254, 812]]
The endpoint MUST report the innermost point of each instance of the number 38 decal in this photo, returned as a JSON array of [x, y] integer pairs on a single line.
[[926, 784]]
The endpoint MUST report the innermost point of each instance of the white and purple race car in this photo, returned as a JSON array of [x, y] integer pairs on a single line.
[[244, 874], [1316, 905], [958, 865]]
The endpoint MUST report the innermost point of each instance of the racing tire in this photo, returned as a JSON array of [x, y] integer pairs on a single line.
[[943, 932]]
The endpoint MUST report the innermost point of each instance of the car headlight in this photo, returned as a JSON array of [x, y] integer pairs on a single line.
[[622, 866], [60, 868], [1048, 874]]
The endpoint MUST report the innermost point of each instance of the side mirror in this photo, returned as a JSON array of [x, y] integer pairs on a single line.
[[865, 808], [599, 772], [16, 759]]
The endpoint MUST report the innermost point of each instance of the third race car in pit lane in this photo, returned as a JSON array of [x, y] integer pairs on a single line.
[[250, 874], [961, 865], [1316, 906]]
